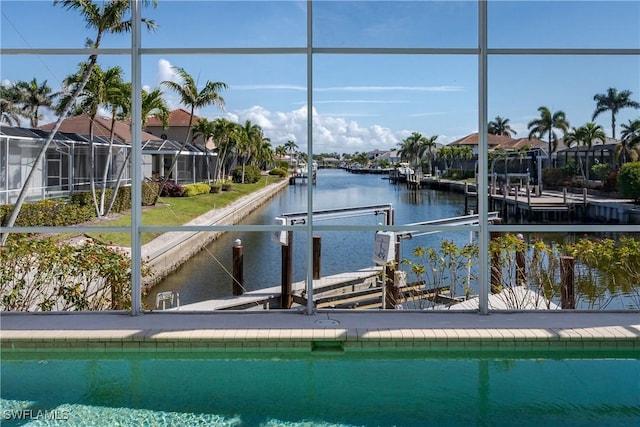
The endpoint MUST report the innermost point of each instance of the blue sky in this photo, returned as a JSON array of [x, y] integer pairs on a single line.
[[361, 102]]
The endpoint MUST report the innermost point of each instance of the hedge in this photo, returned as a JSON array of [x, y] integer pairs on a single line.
[[252, 174], [191, 190]]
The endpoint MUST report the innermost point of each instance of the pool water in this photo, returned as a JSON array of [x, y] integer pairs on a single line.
[[158, 389]]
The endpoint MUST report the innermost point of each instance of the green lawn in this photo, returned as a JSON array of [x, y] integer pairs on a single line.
[[176, 211]]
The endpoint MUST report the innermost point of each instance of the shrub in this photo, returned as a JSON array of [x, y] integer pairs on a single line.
[[570, 169], [600, 171], [215, 188], [43, 274], [252, 174], [120, 204], [629, 181], [278, 172], [171, 189], [552, 177], [49, 212], [149, 193], [282, 164], [453, 173], [191, 190]]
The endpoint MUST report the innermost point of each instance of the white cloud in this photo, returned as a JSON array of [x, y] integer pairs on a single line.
[[330, 133]]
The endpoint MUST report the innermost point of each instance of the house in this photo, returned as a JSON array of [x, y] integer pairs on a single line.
[[67, 164], [65, 167], [500, 142], [177, 127], [601, 152]]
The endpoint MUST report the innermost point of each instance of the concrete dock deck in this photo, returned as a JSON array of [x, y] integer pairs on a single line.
[[345, 331]]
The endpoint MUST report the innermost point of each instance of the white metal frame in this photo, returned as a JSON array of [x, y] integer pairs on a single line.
[[483, 228]]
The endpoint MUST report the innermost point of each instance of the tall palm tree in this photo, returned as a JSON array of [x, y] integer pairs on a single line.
[[205, 129], [105, 18], [500, 126], [264, 154], [104, 88], [446, 153], [546, 124], [32, 96], [410, 147], [630, 138], [250, 138], [291, 148], [193, 98], [613, 101], [591, 133], [10, 112], [281, 151], [224, 134], [428, 145], [153, 105]]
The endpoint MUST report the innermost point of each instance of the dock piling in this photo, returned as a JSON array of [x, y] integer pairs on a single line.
[[286, 298], [238, 267], [317, 247]]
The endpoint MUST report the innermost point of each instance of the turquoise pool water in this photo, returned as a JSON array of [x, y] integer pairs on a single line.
[[157, 389]]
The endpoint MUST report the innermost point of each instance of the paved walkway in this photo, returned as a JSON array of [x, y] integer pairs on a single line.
[[339, 330]]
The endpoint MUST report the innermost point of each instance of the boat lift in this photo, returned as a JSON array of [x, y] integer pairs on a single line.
[[386, 249]]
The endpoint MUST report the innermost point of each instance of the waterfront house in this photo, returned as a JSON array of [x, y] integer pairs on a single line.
[[177, 127], [66, 167], [499, 142]]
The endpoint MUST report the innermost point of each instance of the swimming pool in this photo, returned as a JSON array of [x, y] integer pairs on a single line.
[[321, 389]]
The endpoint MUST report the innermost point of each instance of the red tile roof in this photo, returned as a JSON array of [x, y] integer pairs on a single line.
[[101, 127], [517, 144], [177, 118], [472, 139]]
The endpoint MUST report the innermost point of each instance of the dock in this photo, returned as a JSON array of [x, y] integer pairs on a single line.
[[359, 290]]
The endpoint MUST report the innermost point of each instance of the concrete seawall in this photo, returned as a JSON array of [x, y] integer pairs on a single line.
[[169, 251]]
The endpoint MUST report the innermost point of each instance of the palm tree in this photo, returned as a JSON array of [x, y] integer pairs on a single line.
[[613, 101], [191, 97], [410, 147], [428, 144], [281, 151], [546, 124], [224, 134], [445, 153], [104, 18], [500, 126], [630, 138], [9, 111], [102, 89], [590, 134], [250, 137], [585, 136], [291, 148], [204, 128], [153, 105], [32, 96], [264, 155]]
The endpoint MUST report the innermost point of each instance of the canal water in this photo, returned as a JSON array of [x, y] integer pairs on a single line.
[[208, 274]]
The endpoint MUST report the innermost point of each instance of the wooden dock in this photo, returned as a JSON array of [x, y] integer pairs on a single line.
[[356, 290]]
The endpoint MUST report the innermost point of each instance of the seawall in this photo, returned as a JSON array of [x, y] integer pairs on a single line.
[[169, 251]]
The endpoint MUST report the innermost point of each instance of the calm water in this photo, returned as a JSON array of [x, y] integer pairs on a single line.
[[331, 390], [207, 276]]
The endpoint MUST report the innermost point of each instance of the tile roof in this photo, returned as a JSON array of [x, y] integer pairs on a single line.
[[179, 117], [517, 144], [101, 128], [472, 139]]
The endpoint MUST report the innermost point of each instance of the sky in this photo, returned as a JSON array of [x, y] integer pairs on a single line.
[[361, 102]]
